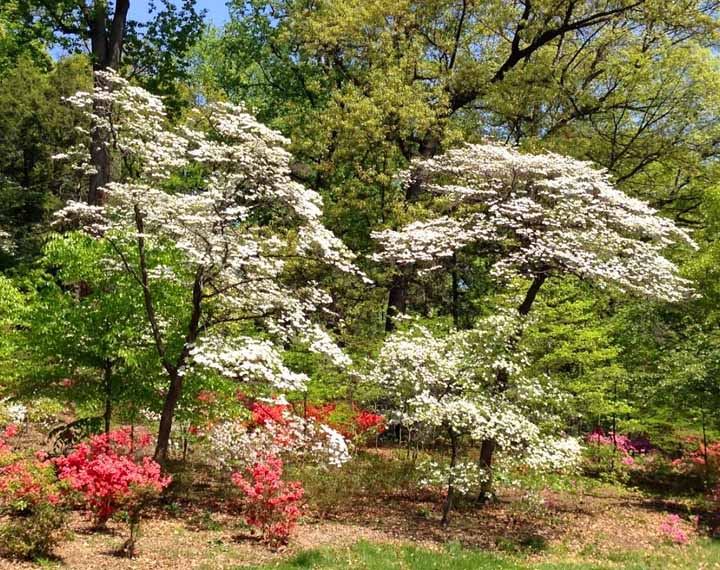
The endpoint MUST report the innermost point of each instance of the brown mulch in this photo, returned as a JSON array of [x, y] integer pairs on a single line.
[[212, 539]]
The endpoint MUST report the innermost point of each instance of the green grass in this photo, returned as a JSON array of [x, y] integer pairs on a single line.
[[365, 556]]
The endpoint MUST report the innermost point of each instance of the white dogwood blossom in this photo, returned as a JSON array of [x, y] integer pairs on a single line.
[[236, 231], [539, 215], [447, 383]]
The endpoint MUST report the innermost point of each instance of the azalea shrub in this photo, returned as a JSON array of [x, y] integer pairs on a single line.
[[31, 502], [613, 456], [357, 425], [699, 461], [109, 473], [672, 531], [270, 505], [275, 430]]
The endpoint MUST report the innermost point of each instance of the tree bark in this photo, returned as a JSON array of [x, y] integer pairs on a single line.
[[397, 301], [166, 418], [107, 376], [445, 522], [106, 47], [487, 449]]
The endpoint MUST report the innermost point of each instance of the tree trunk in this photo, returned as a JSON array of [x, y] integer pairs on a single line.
[[106, 46], [107, 374], [445, 522], [166, 419], [397, 301], [487, 449]]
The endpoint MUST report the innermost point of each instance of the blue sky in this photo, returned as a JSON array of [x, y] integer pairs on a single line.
[[217, 11]]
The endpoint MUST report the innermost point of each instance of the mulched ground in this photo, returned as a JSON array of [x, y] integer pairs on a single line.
[[202, 536]]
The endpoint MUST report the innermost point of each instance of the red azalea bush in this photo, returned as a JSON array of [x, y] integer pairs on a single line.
[[699, 461], [271, 505], [355, 424], [31, 502], [108, 474]]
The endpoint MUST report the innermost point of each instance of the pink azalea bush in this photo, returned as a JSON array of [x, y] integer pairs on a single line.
[[614, 455], [672, 531], [271, 505], [623, 443], [108, 476], [31, 502]]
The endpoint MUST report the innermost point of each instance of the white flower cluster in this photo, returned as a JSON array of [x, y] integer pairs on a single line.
[[448, 382], [15, 412], [545, 214], [235, 446], [6, 242], [559, 454], [466, 477], [248, 360]]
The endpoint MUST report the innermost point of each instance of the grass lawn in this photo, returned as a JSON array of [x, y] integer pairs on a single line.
[[704, 555]]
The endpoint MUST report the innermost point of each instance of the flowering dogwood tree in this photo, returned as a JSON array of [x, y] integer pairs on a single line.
[[206, 218], [541, 215], [446, 385], [536, 216]]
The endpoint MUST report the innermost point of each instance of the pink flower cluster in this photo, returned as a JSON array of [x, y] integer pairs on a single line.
[[271, 504], [107, 475], [670, 528], [625, 444], [10, 431], [24, 483]]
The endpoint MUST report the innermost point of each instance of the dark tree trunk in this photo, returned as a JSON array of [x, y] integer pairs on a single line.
[[106, 46], [166, 418], [397, 301], [445, 522], [487, 449]]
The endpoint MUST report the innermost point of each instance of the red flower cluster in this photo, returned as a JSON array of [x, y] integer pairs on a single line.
[[320, 413], [271, 504], [354, 425], [107, 474], [367, 420], [25, 483], [263, 413], [10, 431]]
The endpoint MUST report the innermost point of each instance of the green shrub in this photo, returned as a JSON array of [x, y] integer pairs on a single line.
[[34, 535]]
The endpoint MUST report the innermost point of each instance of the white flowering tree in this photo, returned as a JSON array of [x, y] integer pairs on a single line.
[[206, 218], [445, 385], [536, 216]]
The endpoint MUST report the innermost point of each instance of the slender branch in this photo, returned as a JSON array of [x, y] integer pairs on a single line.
[[147, 294]]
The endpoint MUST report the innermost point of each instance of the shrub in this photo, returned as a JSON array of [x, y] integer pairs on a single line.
[[31, 502], [698, 461], [672, 531], [612, 456], [271, 505], [108, 476]]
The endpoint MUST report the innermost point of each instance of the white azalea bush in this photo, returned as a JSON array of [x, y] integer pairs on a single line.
[[235, 445]]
